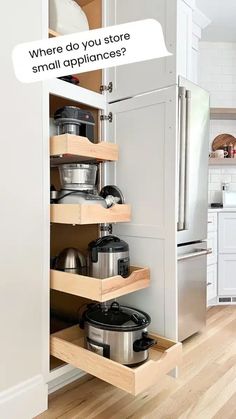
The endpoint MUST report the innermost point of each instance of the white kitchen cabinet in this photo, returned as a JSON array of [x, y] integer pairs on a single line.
[[212, 221], [211, 283], [227, 232], [184, 41], [212, 259], [175, 17], [146, 173], [212, 244], [199, 22], [227, 275]]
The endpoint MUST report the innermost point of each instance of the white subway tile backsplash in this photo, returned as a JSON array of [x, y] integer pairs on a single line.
[[214, 186], [229, 170], [226, 178], [215, 178], [218, 176], [214, 171], [217, 74]]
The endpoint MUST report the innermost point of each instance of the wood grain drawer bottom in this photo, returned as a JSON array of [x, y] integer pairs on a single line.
[[68, 345]]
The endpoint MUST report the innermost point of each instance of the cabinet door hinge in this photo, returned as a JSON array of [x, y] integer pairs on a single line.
[[108, 117], [106, 88]]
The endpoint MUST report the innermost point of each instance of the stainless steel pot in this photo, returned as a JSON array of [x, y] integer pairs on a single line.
[[80, 177], [108, 256], [118, 333], [72, 261]]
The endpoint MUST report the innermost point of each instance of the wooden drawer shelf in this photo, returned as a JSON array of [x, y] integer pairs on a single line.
[[52, 33], [68, 345], [75, 148], [89, 214], [100, 289]]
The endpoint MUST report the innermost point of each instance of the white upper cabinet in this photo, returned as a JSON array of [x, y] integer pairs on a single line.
[[175, 17], [184, 40], [227, 232]]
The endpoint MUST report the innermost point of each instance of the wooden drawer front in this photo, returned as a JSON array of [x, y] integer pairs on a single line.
[[81, 214], [212, 221], [100, 289], [212, 244], [211, 282], [227, 232], [68, 345]]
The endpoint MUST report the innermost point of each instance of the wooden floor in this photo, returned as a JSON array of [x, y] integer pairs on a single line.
[[206, 387]]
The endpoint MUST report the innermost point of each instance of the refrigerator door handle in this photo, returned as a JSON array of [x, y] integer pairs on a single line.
[[187, 159], [201, 252], [182, 157]]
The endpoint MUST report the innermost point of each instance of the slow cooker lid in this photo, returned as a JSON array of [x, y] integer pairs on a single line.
[[117, 318], [108, 244]]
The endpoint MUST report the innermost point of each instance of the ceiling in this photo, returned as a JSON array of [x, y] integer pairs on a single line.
[[222, 14]]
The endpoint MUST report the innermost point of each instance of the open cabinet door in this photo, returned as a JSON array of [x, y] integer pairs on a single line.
[[144, 127], [130, 80]]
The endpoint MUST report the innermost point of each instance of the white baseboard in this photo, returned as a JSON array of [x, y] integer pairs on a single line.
[[62, 376], [25, 400]]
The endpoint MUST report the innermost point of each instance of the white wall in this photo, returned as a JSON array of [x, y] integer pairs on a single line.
[[21, 208], [217, 74]]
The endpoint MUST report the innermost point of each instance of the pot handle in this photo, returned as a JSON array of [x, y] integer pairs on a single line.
[[144, 343]]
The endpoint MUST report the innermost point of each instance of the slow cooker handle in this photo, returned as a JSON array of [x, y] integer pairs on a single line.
[[143, 344]]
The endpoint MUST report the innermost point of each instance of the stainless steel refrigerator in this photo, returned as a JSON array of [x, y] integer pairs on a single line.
[[193, 146]]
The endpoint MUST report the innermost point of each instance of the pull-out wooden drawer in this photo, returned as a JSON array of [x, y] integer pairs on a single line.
[[100, 289], [80, 214], [68, 345]]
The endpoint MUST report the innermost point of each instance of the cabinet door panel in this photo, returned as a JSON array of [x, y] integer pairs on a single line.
[[212, 244], [227, 275], [227, 232], [212, 221], [145, 130], [211, 282], [184, 44], [132, 79]]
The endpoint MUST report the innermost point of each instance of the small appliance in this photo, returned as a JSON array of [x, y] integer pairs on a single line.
[[108, 256], [118, 333], [72, 261], [78, 177], [75, 121]]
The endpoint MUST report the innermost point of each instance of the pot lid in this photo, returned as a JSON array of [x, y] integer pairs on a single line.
[[108, 244], [117, 318]]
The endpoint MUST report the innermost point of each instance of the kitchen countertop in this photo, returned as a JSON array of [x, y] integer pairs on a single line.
[[222, 209]]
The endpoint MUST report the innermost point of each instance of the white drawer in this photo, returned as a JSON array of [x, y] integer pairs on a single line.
[[211, 282], [212, 221], [212, 244]]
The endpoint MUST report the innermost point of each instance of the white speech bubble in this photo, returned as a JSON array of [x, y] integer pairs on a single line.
[[88, 51]]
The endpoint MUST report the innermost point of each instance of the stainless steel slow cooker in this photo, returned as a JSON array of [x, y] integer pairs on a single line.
[[118, 333], [108, 256]]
